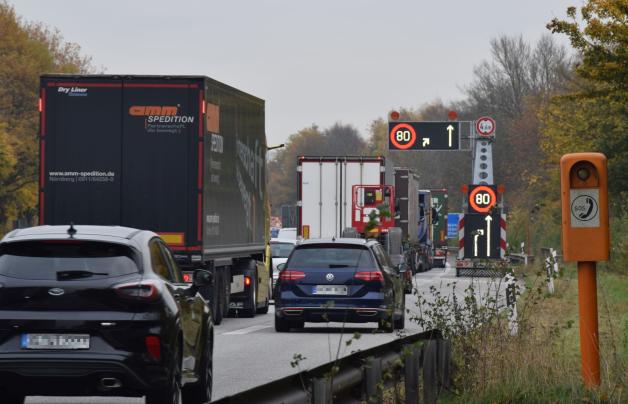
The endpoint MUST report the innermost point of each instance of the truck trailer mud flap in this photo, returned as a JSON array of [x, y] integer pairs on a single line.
[[237, 284]]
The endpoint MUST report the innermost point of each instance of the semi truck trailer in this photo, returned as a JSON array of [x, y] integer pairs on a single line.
[[415, 218], [183, 156], [426, 231], [440, 209]]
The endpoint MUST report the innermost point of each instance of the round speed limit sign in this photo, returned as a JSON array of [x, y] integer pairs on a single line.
[[482, 198], [402, 136], [485, 126]]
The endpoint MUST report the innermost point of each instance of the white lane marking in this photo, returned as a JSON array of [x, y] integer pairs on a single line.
[[246, 330]]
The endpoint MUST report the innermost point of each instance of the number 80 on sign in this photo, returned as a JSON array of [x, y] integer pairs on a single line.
[[403, 136], [482, 198]]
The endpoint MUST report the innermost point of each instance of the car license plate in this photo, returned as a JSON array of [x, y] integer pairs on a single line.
[[330, 290], [55, 341]]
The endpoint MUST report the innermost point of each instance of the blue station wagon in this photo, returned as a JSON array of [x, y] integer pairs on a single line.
[[343, 280]]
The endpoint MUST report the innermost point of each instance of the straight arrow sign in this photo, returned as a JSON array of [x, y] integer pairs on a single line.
[[450, 129], [488, 219]]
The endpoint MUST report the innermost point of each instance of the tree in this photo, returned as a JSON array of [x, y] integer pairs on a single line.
[[593, 115], [338, 140], [26, 51], [519, 79], [602, 43]]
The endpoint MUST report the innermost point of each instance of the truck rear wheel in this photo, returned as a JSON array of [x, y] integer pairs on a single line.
[[264, 308], [250, 311], [217, 298]]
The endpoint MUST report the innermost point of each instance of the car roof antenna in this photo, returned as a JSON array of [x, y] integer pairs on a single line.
[[333, 239], [71, 230]]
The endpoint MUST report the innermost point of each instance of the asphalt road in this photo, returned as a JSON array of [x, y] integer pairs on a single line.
[[248, 352]]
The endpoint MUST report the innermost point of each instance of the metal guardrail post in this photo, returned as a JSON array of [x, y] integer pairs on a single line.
[[372, 380], [430, 371], [444, 363], [411, 377], [359, 375], [321, 391]]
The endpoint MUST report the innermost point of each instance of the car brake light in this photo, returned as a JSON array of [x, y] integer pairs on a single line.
[[369, 276], [153, 346], [144, 290], [247, 281], [290, 275]]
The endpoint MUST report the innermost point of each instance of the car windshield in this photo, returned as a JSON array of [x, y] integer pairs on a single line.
[[335, 256], [66, 259], [281, 250]]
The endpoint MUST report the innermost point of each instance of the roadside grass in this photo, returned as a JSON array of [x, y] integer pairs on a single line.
[[542, 363]]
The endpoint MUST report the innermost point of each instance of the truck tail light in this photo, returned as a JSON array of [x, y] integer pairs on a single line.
[[143, 290], [247, 281], [290, 275]]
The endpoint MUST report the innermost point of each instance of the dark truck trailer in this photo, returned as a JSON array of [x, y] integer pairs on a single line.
[[411, 219], [183, 156], [439, 219], [406, 194], [426, 230]]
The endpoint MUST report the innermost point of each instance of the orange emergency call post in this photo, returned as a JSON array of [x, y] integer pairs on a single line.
[[585, 237]]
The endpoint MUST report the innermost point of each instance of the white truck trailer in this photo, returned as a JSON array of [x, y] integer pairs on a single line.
[[325, 189]]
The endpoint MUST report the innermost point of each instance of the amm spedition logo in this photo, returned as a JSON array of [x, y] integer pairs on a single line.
[[160, 114]]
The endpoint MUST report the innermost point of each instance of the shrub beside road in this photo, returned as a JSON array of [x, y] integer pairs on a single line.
[[542, 362]]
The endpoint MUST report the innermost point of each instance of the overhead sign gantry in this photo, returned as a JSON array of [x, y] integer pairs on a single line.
[[423, 135]]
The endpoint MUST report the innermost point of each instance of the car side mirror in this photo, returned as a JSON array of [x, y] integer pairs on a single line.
[[202, 277], [281, 267]]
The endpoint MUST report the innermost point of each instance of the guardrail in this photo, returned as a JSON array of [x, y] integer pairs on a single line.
[[422, 361], [519, 258]]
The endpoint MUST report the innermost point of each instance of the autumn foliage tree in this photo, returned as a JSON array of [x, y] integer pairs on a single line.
[[337, 140], [26, 51], [593, 114]]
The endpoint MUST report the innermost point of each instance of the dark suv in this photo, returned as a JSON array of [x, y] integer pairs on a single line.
[[98, 310], [345, 280]]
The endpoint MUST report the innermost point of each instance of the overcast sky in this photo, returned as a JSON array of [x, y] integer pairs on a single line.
[[320, 61]]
